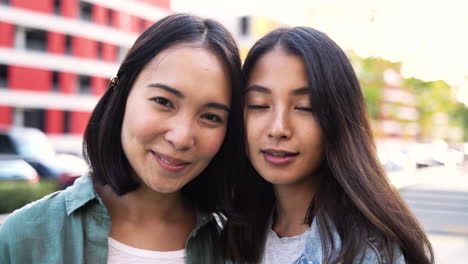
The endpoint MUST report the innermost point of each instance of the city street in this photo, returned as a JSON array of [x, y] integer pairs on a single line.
[[439, 199]]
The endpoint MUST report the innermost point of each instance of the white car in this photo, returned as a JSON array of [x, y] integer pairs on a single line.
[[33, 146]]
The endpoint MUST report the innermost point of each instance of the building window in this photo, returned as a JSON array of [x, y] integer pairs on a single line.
[[142, 24], [84, 84], [57, 7], [99, 50], [110, 17], [245, 26], [86, 11], [36, 39], [3, 76], [34, 118], [6, 145], [55, 81], [66, 122], [68, 45]]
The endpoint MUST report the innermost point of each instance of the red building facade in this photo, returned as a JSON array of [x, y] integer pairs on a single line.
[[58, 51]]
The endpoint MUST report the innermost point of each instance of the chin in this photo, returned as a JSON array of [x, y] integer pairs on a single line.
[[279, 178], [165, 188]]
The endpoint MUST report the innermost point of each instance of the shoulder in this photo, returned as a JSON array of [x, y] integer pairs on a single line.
[[376, 253], [33, 218], [35, 213], [204, 242]]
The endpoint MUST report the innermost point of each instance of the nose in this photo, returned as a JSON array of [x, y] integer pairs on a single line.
[[280, 127], [181, 134]]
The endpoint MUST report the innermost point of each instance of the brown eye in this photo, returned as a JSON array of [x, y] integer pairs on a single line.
[[257, 107], [163, 101], [212, 118], [306, 109]]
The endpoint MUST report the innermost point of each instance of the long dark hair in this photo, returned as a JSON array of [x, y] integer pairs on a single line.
[[354, 197], [102, 145]]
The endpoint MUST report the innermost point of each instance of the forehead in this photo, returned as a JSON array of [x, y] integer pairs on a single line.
[[188, 68], [278, 69], [193, 57]]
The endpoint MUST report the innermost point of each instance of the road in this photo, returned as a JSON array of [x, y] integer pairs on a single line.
[[439, 210], [439, 199]]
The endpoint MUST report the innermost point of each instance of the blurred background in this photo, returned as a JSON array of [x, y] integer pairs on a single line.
[[57, 56]]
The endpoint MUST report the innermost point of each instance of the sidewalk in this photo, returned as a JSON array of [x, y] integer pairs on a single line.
[[449, 249], [453, 178]]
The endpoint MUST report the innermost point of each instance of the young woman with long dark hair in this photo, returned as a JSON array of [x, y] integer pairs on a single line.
[[316, 192], [159, 144]]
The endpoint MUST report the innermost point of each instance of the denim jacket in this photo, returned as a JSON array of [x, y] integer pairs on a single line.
[[72, 227], [313, 252]]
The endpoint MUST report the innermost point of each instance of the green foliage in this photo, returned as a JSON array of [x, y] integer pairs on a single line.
[[433, 97], [460, 116], [370, 74], [16, 194]]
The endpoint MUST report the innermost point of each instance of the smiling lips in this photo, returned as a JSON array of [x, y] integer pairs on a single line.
[[278, 157], [170, 163]]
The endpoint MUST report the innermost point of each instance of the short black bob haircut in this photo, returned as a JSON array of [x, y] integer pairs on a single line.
[[102, 146]]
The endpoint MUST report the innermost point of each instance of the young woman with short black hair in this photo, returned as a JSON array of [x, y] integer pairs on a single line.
[[159, 144]]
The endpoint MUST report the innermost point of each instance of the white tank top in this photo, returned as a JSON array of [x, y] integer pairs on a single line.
[[120, 253]]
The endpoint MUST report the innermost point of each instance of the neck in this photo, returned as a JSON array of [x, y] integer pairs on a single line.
[[149, 220], [145, 204], [292, 204]]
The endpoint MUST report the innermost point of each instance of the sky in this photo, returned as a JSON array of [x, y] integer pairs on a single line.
[[428, 37]]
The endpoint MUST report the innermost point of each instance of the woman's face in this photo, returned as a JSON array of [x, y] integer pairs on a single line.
[[176, 117], [284, 138]]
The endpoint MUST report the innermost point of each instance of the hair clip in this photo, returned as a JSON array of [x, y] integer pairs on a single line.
[[113, 82]]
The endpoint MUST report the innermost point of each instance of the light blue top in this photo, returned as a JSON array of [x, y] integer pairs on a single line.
[[313, 252]]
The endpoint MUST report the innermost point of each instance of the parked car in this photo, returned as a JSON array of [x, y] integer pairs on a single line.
[[33, 146], [13, 168], [395, 157], [436, 153]]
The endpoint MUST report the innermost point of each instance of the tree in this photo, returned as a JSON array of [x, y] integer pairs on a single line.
[[434, 97], [370, 73]]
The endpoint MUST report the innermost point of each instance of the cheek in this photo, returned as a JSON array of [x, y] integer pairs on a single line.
[[314, 137], [145, 128], [211, 142], [140, 124], [253, 130]]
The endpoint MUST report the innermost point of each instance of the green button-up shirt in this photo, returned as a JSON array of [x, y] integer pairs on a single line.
[[72, 226]]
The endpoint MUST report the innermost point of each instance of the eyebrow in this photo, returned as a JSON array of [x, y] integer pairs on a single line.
[[301, 91], [168, 89], [218, 106], [263, 89], [258, 88]]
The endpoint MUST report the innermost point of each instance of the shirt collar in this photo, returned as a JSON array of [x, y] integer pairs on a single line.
[[80, 193], [314, 248]]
